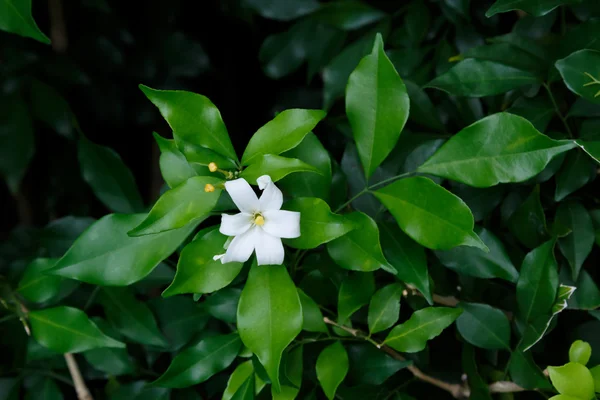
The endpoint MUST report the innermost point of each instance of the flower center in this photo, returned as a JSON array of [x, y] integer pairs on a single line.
[[259, 220]]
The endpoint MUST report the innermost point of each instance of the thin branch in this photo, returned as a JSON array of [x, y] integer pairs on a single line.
[[557, 110], [58, 28], [83, 393]]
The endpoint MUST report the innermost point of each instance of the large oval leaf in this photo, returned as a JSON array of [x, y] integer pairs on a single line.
[[68, 330], [269, 316], [199, 362], [484, 326], [332, 367], [377, 106], [15, 17], [500, 148], [117, 259], [430, 214], [197, 271], [276, 167], [178, 207], [581, 73], [384, 309], [423, 325], [573, 379], [282, 133], [318, 224]]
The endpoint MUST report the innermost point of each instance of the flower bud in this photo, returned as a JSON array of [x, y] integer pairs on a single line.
[[212, 167], [209, 188]]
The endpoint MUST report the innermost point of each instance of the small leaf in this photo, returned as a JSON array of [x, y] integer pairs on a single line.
[[111, 361], [536, 8], [282, 133], [15, 17], [577, 245], [384, 309], [293, 372], [312, 317], [348, 15], [422, 326], [36, 285], [68, 330], [478, 386], [577, 171], [422, 110], [332, 367], [269, 316], [276, 167], [573, 379], [355, 291], [173, 166], [201, 361], [430, 214], [581, 73], [580, 352], [596, 375], [246, 391], [525, 372], [484, 326], [43, 389], [500, 148], [109, 177], [377, 106], [371, 366], [528, 222], [238, 377], [318, 224], [49, 106], [180, 318], [197, 272], [117, 259]]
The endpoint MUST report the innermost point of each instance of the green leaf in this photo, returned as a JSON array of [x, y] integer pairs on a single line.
[[312, 317], [180, 318], [479, 78], [581, 73], [377, 106], [596, 375], [430, 214], [332, 367], [292, 369], [276, 167], [199, 362], [117, 259], [580, 352], [282, 133], [539, 111], [591, 148], [318, 224], [16, 140], [238, 377], [528, 222], [355, 291], [578, 244], [407, 257], [370, 366], [476, 262], [587, 295], [108, 176], [478, 386], [577, 171], [44, 389], [67, 330], [422, 326], [359, 249], [197, 272], [283, 11], [50, 107], [537, 8], [573, 379], [246, 391], [35, 285], [197, 125], [500, 148], [348, 14], [15, 17], [484, 326], [384, 309], [525, 372], [59, 234], [422, 110], [173, 166], [508, 54], [564, 397], [538, 282], [111, 361], [131, 317], [269, 316]]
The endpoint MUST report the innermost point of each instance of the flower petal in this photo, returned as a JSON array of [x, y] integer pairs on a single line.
[[271, 198], [242, 246], [233, 225], [242, 195], [269, 249], [282, 224]]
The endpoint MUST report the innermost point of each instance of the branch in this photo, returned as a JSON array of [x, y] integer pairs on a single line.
[[81, 388], [58, 29]]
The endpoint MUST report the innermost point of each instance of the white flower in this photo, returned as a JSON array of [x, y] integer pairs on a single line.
[[260, 225]]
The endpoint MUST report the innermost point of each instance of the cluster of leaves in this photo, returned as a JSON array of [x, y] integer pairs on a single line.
[[460, 174]]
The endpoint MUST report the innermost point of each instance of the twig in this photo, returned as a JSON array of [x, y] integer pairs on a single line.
[[58, 29], [81, 388], [557, 110]]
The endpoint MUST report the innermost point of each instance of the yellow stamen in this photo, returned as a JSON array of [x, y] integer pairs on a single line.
[[212, 167], [209, 188], [259, 220]]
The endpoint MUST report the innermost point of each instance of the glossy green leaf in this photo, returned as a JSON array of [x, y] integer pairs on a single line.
[[573, 379], [276, 167], [318, 224], [539, 111], [407, 257], [577, 245], [50, 107], [309, 184], [580, 352], [173, 166], [312, 317], [36, 285], [479, 78], [238, 377], [422, 110], [581, 73], [564, 397], [537, 8], [525, 372], [111, 361], [500, 148], [332, 367], [59, 234], [283, 11], [424, 325], [430, 214], [591, 148], [197, 125], [67, 330], [131, 317], [476, 262], [384, 309], [528, 222], [246, 391], [269, 316], [292, 370], [370, 366], [117, 259], [199, 362], [596, 375], [587, 295], [282, 133], [377, 106], [109, 177], [348, 14], [181, 318], [484, 326], [508, 54], [478, 386], [538, 282], [359, 249], [197, 272], [355, 291], [577, 171], [44, 389], [15, 17]]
